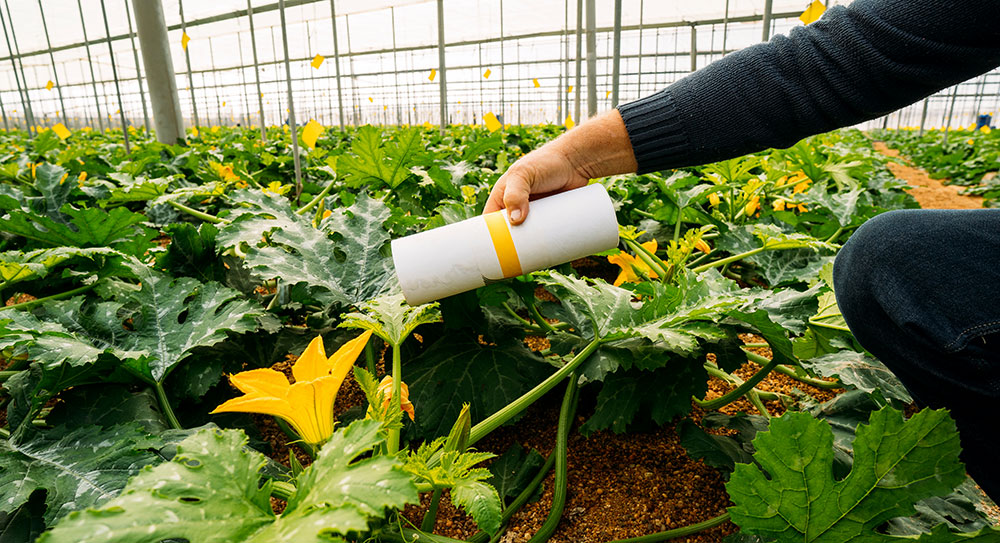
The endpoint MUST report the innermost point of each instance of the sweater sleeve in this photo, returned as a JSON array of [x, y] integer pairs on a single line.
[[856, 63]]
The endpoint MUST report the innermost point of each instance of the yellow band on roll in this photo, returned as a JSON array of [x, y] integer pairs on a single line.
[[503, 244]]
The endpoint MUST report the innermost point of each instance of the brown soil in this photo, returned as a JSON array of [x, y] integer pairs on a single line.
[[929, 193]]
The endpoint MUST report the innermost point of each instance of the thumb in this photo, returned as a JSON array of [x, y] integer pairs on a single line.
[[515, 198]]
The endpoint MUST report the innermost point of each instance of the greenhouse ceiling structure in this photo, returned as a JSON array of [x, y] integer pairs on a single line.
[[353, 62]]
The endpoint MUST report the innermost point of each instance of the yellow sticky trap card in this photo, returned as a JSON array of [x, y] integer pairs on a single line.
[[491, 121], [311, 133], [812, 13], [569, 122], [317, 61], [49, 85], [570, 89], [61, 131], [535, 81], [370, 100], [486, 74], [433, 75], [185, 39]]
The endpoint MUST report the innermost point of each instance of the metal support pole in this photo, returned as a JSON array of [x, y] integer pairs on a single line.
[[90, 60], [291, 103], [3, 113], [503, 72], [243, 82], [256, 73], [138, 70], [336, 63], [579, 58], [15, 53], [350, 67], [563, 94], [616, 62], [694, 48], [725, 28], [767, 20], [951, 110], [114, 72], [442, 85], [923, 115], [639, 81], [52, 60], [395, 67], [591, 59], [187, 59], [215, 85], [159, 66]]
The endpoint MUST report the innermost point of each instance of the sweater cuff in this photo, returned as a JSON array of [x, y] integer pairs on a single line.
[[658, 138]]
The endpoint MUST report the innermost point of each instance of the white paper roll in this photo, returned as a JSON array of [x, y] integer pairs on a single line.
[[466, 255]]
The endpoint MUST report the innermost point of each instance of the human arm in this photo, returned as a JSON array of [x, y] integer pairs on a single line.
[[856, 63]]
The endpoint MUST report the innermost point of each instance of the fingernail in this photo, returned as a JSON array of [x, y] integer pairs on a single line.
[[515, 215]]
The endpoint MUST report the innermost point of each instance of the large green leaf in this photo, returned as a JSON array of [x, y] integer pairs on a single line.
[[791, 493], [211, 493], [859, 370], [17, 266], [78, 467], [374, 161], [457, 369], [348, 271], [391, 318], [514, 469], [79, 227]]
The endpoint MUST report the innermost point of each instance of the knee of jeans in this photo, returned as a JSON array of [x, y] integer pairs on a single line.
[[866, 259]]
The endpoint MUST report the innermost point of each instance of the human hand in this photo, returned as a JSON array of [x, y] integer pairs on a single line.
[[596, 148], [543, 171]]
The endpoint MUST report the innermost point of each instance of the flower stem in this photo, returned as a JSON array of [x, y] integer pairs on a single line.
[[432, 512], [727, 260], [654, 262], [195, 213], [317, 199], [397, 370], [168, 411], [566, 412], [497, 419], [60, 296], [734, 395], [677, 532]]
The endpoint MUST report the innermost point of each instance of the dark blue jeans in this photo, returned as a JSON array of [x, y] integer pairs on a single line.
[[920, 289]]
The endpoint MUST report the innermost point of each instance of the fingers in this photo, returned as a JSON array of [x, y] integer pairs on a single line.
[[515, 198], [495, 201]]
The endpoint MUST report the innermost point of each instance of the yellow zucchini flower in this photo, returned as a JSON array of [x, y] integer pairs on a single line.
[[629, 264], [385, 388], [307, 405]]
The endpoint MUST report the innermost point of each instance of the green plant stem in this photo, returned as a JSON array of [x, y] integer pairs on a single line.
[[519, 318], [566, 412], [654, 262], [781, 368], [677, 225], [432, 512], [4, 375], [282, 490], [296, 438], [677, 532], [520, 500], [734, 395], [727, 260], [397, 371], [753, 395], [537, 316], [168, 411], [195, 213], [60, 296], [497, 419], [317, 199], [835, 235], [409, 535], [4, 433]]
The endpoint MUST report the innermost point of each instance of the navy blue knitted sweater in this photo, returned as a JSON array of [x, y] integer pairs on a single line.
[[856, 63]]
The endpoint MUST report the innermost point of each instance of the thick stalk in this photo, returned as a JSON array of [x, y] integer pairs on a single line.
[[835, 235], [432, 512], [654, 262], [736, 381], [397, 370], [677, 532], [520, 500], [195, 213], [319, 197], [370, 358], [497, 419], [566, 412], [60, 296], [677, 225], [282, 490], [727, 260], [754, 396], [747, 385], [4, 375], [168, 411], [537, 316]]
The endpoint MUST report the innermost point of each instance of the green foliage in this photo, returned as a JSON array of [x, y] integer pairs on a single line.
[[373, 160], [792, 495], [391, 318], [211, 492]]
